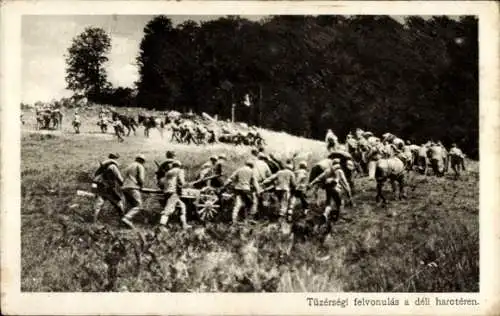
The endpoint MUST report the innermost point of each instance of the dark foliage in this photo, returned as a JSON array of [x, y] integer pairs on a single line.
[[305, 74]]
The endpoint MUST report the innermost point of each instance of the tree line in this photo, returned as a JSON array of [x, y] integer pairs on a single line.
[[305, 74]]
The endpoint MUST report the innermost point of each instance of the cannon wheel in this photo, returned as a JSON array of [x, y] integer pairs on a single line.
[[206, 204]]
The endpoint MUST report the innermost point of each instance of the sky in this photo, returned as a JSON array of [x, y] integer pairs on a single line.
[[45, 40]]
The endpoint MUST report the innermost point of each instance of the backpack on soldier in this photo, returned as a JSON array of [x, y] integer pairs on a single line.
[[99, 174]]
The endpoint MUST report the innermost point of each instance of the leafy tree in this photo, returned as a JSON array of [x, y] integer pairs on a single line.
[[85, 72], [155, 86]]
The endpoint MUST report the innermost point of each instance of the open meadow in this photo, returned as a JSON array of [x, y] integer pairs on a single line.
[[427, 243]]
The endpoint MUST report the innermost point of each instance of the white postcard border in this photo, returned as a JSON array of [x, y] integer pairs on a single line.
[[13, 301]]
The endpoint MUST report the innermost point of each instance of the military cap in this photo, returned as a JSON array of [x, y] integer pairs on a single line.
[[262, 156], [113, 156], [140, 157]]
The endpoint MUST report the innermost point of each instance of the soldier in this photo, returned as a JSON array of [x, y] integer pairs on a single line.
[[106, 184], [359, 133], [213, 161], [456, 158], [406, 155], [388, 150], [176, 132], [261, 167], [273, 163], [103, 120], [206, 171], [422, 159], [245, 184], [299, 192], [414, 148], [189, 134], [349, 167], [119, 131], [436, 158], [218, 169], [333, 181], [201, 133], [211, 138], [330, 140], [134, 177], [262, 172], [101, 113], [165, 166], [445, 156], [377, 151], [172, 182], [284, 183], [76, 122]]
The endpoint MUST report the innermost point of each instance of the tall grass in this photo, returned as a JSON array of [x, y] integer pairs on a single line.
[[429, 242]]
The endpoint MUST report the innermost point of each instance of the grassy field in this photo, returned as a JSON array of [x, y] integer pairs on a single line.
[[428, 243]]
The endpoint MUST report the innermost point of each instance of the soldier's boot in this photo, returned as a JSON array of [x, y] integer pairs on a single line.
[[96, 214], [127, 222], [164, 220], [185, 225], [327, 212], [234, 214]]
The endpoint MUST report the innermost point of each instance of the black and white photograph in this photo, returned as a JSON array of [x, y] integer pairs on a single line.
[[233, 153]]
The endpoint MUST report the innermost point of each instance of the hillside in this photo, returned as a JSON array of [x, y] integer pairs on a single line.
[[427, 243]]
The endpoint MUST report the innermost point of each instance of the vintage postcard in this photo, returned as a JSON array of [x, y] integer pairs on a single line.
[[223, 157]]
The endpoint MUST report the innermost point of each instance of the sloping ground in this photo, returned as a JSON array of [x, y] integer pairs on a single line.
[[429, 242]]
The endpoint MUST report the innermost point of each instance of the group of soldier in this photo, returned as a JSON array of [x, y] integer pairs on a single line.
[[366, 149], [184, 131], [46, 115], [287, 180]]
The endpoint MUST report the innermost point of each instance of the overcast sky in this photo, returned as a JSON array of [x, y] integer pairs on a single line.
[[45, 40]]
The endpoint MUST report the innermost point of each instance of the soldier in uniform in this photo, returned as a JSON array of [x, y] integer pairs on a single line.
[[134, 177], [119, 130], [330, 140], [456, 159], [299, 192], [106, 184], [165, 167], [333, 181], [76, 122], [172, 182], [245, 184], [436, 154], [262, 172], [218, 169], [284, 183]]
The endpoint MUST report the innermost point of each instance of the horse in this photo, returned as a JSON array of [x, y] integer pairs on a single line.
[[150, 122], [56, 118], [43, 118], [127, 121], [392, 169]]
